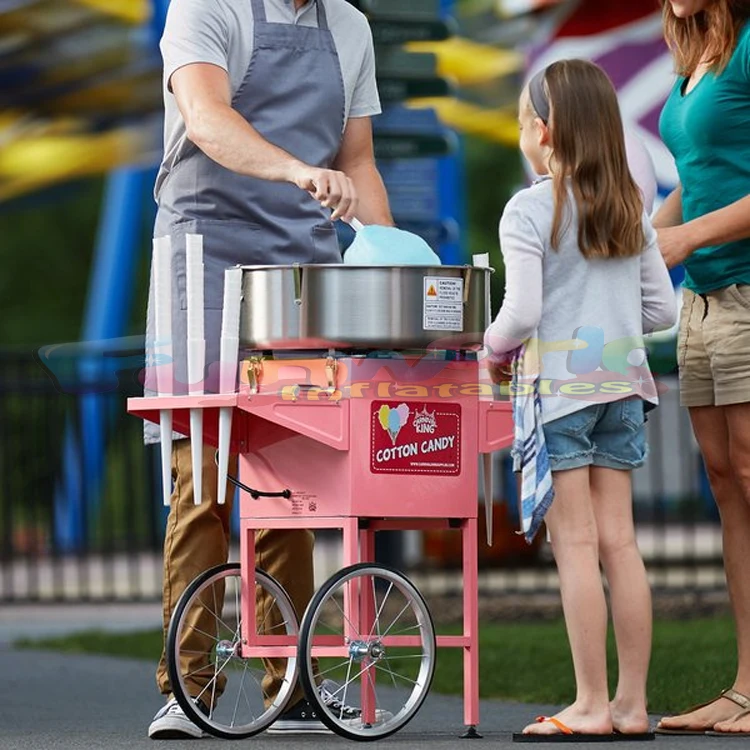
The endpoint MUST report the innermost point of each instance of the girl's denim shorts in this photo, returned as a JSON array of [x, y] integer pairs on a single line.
[[611, 435]]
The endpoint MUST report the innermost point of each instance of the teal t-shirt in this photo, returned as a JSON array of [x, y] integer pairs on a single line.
[[708, 132]]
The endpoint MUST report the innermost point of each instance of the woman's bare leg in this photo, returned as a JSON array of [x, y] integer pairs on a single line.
[[723, 434]]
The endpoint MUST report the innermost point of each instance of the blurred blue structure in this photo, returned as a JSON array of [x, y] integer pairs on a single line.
[[107, 309], [452, 183]]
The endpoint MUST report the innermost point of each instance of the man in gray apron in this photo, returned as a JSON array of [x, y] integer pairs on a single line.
[[267, 139]]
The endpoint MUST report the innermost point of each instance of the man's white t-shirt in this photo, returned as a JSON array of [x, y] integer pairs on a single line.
[[221, 32]]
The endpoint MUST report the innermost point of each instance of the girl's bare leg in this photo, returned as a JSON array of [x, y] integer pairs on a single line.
[[630, 595], [572, 527]]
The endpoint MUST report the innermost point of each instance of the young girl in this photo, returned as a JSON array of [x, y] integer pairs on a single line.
[[585, 279]]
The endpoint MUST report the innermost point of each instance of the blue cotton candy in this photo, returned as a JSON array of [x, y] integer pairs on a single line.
[[387, 246]]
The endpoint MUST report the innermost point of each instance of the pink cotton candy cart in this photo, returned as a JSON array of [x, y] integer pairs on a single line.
[[358, 442]]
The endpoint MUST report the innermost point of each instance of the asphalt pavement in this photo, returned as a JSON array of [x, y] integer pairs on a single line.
[[52, 701]]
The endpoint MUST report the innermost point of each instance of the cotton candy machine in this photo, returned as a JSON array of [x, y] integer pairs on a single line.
[[376, 421]]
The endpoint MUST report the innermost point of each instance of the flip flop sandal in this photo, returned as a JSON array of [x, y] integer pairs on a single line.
[[741, 700], [716, 733], [633, 736], [564, 734]]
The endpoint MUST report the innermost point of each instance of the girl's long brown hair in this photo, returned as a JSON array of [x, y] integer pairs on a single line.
[[588, 146], [710, 35]]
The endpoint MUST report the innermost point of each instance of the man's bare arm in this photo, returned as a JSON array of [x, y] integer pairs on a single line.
[[203, 95]]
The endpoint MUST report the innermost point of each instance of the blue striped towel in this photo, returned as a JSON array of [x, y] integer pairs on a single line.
[[529, 453]]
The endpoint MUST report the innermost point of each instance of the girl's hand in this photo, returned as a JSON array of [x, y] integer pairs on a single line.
[[674, 246], [501, 370]]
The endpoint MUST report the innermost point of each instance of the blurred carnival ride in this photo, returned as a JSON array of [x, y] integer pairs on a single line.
[[79, 90]]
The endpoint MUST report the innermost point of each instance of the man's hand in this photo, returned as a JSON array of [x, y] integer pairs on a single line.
[[333, 189], [674, 245]]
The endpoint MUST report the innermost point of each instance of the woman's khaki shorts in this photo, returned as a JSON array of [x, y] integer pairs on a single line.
[[713, 349]]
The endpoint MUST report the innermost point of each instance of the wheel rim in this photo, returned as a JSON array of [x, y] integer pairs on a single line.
[[385, 647], [210, 664]]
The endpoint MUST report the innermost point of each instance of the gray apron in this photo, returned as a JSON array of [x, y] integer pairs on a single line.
[[293, 95]]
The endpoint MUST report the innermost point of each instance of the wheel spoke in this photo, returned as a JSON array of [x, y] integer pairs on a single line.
[[343, 614], [218, 617], [395, 620], [343, 700], [382, 604], [393, 674], [334, 668]]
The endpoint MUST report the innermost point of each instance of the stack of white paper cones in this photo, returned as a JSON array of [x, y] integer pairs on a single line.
[[162, 345], [228, 360], [196, 353]]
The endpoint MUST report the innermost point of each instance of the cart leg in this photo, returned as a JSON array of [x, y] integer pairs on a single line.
[[367, 615], [471, 627], [247, 594], [350, 530], [367, 545], [350, 534]]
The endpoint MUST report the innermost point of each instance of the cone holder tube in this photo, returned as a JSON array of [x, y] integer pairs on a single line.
[[163, 344], [196, 353], [228, 362]]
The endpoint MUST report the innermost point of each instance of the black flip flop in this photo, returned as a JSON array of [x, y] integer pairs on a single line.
[[634, 736], [564, 734], [521, 737]]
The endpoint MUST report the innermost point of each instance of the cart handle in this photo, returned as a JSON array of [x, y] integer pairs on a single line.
[[254, 494]]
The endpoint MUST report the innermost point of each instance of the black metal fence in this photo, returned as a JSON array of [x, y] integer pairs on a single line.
[[77, 488], [81, 517]]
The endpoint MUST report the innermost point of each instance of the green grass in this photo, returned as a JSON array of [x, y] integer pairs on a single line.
[[523, 662]]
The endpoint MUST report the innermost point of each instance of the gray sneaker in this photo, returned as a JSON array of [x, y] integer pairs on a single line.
[[171, 723], [302, 718]]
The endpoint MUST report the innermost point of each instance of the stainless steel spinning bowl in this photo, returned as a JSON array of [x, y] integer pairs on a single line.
[[365, 307]]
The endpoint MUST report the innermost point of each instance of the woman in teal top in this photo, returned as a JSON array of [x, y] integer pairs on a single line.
[[705, 224]]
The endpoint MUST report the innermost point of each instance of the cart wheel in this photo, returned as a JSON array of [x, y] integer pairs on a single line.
[[225, 678], [381, 626]]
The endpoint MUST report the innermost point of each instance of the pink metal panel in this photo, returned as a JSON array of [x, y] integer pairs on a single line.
[[148, 409], [279, 459], [323, 421], [495, 425]]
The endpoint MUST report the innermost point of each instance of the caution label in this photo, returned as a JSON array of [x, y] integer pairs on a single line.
[[443, 304]]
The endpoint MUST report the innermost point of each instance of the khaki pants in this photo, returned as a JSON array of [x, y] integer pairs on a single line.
[[197, 538]]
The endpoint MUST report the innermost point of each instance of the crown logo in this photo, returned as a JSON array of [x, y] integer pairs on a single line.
[[424, 422]]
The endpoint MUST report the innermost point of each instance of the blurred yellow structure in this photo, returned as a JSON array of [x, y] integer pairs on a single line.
[[467, 64], [499, 125], [51, 155], [133, 11], [79, 90], [80, 93]]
